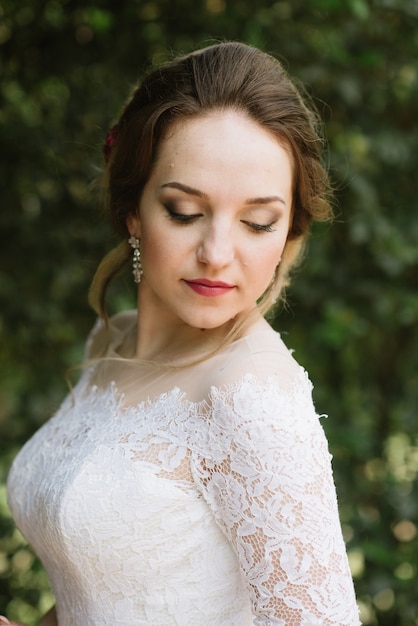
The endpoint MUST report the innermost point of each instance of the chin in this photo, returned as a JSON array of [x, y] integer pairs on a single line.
[[215, 325], [205, 324]]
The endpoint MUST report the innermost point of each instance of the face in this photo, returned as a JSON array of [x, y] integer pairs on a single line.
[[213, 220]]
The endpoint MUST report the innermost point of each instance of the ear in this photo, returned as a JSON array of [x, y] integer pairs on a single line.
[[133, 224]]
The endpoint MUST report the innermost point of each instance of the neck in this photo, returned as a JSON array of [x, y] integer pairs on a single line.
[[175, 345], [173, 342]]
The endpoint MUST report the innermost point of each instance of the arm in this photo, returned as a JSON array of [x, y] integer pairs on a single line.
[[273, 496]]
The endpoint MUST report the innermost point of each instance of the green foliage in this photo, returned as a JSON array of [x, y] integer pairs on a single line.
[[66, 67]]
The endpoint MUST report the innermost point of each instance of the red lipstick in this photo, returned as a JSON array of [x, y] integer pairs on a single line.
[[209, 288]]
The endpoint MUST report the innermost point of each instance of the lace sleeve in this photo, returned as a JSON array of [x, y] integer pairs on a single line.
[[273, 495]]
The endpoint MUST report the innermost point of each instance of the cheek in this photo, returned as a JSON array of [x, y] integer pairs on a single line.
[[263, 270], [153, 254], [268, 257], [269, 266], [159, 248]]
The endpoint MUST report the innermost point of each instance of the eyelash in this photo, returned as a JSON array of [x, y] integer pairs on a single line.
[[260, 228], [180, 217], [188, 219]]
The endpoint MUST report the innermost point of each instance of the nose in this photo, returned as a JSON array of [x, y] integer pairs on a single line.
[[216, 247]]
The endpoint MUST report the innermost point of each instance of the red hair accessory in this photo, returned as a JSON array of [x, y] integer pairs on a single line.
[[109, 142]]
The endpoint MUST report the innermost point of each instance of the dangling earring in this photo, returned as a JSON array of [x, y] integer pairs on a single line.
[[136, 261]]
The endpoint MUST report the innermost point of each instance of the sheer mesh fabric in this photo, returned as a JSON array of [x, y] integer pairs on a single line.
[[202, 496]]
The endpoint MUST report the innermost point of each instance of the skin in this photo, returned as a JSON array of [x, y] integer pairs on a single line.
[[217, 207]]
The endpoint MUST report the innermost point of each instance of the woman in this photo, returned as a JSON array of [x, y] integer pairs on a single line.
[[187, 478]]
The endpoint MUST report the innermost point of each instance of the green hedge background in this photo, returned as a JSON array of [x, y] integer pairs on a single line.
[[66, 67]]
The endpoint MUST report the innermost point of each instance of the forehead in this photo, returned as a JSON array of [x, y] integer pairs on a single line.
[[226, 117], [228, 134]]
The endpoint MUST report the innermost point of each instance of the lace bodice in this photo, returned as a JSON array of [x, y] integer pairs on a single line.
[[165, 509]]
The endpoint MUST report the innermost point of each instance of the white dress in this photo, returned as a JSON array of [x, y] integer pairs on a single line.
[[201, 496]]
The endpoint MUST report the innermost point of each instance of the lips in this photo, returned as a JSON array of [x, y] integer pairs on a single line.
[[209, 288]]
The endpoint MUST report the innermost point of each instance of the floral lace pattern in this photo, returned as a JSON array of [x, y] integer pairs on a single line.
[[170, 512]]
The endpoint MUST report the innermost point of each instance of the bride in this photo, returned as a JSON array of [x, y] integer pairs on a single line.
[[186, 480]]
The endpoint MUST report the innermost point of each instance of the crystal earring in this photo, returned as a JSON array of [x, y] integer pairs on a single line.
[[136, 261]]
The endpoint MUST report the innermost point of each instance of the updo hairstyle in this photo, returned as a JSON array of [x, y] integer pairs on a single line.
[[219, 77]]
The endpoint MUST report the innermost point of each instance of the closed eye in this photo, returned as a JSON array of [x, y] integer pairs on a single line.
[[182, 218], [260, 228]]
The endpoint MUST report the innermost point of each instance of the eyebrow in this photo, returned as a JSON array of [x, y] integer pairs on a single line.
[[265, 200], [189, 190], [200, 194]]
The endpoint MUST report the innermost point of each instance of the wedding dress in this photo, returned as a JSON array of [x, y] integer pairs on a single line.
[[199, 496]]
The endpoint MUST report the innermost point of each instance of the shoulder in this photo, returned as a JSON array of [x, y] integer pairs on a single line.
[[264, 402], [259, 355], [104, 334], [258, 380]]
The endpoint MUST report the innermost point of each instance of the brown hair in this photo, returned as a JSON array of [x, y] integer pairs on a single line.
[[221, 76]]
